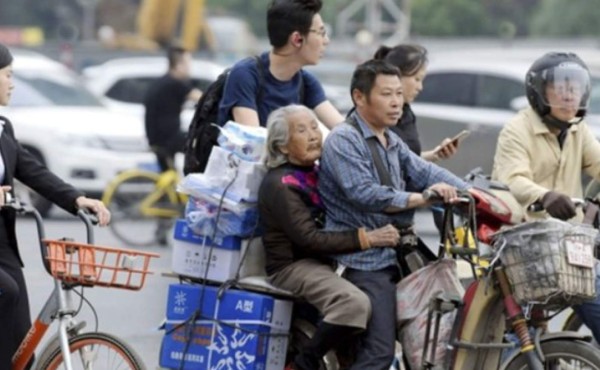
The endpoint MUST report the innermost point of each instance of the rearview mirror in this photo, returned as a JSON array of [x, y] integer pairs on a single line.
[[519, 103]]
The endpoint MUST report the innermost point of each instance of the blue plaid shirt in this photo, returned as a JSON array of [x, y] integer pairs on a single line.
[[353, 194]]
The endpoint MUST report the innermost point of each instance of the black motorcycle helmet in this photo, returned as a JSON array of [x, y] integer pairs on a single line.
[[557, 68]]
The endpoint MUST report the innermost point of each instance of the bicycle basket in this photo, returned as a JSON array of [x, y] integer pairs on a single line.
[[91, 265], [549, 262]]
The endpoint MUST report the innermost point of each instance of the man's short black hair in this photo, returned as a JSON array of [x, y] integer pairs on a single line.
[[175, 54], [284, 17], [365, 74]]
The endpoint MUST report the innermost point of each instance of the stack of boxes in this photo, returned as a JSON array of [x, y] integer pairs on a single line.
[[238, 329]]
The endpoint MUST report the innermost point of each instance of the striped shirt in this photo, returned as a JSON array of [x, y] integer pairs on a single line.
[[353, 194]]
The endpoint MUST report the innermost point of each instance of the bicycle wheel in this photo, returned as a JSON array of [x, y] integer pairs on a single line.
[[563, 354], [92, 351], [129, 223]]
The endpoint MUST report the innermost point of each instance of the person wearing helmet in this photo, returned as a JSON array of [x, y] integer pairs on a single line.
[[542, 152]]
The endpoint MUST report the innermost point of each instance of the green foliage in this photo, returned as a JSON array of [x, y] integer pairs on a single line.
[[448, 18], [505, 18], [566, 18]]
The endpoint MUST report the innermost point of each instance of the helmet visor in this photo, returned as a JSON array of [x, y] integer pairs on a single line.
[[565, 86]]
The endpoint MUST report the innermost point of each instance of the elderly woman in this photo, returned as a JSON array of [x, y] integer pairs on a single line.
[[297, 252]]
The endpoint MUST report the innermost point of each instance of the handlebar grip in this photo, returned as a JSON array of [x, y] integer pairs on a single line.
[[538, 206], [431, 195], [535, 207], [85, 214]]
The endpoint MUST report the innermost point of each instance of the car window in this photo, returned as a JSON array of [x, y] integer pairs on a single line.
[[130, 90], [33, 90], [133, 90], [449, 88], [594, 107], [497, 92]]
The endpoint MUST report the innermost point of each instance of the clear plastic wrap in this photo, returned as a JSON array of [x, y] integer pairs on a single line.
[[247, 142], [241, 220]]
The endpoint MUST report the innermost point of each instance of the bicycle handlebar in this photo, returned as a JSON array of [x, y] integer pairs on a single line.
[[22, 208], [433, 196]]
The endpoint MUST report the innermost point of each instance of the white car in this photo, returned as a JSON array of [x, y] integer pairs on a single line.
[[68, 129], [479, 93], [122, 83]]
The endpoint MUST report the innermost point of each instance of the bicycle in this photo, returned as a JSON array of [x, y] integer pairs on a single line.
[[143, 205], [492, 305], [74, 265]]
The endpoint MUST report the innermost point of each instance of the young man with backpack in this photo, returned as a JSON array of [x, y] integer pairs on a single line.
[[254, 87], [298, 38]]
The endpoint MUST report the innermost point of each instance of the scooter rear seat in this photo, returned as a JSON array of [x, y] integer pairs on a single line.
[[261, 285]]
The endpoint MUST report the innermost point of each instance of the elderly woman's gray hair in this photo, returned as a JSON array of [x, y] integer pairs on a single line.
[[278, 133]]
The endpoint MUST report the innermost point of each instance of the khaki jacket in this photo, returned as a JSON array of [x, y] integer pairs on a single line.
[[529, 160]]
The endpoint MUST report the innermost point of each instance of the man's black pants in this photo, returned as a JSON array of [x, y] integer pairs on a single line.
[[377, 344]]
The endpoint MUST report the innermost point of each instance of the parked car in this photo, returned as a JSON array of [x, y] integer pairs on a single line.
[[122, 83], [68, 129], [480, 94]]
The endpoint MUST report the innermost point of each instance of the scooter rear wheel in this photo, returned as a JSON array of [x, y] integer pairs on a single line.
[[300, 334]]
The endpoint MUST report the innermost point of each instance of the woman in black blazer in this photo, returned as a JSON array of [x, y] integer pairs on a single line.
[[17, 163]]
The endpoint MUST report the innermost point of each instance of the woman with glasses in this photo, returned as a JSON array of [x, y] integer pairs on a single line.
[[412, 62]]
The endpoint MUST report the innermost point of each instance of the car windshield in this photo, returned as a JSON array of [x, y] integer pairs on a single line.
[[33, 89]]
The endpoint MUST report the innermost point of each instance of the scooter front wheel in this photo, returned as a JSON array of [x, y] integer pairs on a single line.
[[563, 354]]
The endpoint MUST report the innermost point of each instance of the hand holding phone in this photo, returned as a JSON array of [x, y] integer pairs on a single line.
[[460, 137], [448, 147]]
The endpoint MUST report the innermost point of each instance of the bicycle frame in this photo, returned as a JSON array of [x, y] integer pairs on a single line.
[[57, 306], [165, 186]]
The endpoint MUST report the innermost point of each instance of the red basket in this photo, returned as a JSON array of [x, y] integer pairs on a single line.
[[91, 265]]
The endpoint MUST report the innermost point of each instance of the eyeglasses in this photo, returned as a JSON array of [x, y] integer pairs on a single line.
[[322, 32]]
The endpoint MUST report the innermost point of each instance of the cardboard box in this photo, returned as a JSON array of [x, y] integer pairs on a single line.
[[242, 330], [191, 253]]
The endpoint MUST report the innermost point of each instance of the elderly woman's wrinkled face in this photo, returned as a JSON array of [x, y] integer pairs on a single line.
[[304, 145]]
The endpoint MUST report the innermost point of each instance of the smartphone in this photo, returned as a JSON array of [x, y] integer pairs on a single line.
[[460, 137]]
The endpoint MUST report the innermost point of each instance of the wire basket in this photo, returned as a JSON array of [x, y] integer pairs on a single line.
[[92, 265], [549, 262]]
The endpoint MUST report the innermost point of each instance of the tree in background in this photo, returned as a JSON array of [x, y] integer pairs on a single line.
[[517, 13], [566, 18], [449, 18]]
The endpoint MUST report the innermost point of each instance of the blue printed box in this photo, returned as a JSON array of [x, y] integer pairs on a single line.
[[247, 330], [183, 300], [198, 256]]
